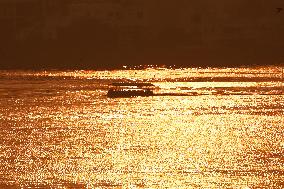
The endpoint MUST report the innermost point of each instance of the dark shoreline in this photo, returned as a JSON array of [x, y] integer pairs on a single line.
[[137, 67]]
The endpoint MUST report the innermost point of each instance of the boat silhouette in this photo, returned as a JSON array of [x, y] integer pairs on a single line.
[[122, 90]]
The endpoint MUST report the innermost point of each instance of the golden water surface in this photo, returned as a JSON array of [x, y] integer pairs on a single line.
[[59, 130]]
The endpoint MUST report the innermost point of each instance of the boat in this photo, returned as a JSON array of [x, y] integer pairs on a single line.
[[121, 90]]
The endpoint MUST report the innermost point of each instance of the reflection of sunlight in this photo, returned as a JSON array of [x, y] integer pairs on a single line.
[[79, 136], [152, 74]]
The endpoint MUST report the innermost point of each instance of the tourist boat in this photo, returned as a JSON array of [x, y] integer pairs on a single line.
[[120, 90]]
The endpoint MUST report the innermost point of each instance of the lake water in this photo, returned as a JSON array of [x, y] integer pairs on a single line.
[[59, 130]]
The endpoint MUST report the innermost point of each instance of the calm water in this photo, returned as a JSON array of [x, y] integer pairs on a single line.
[[59, 130]]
